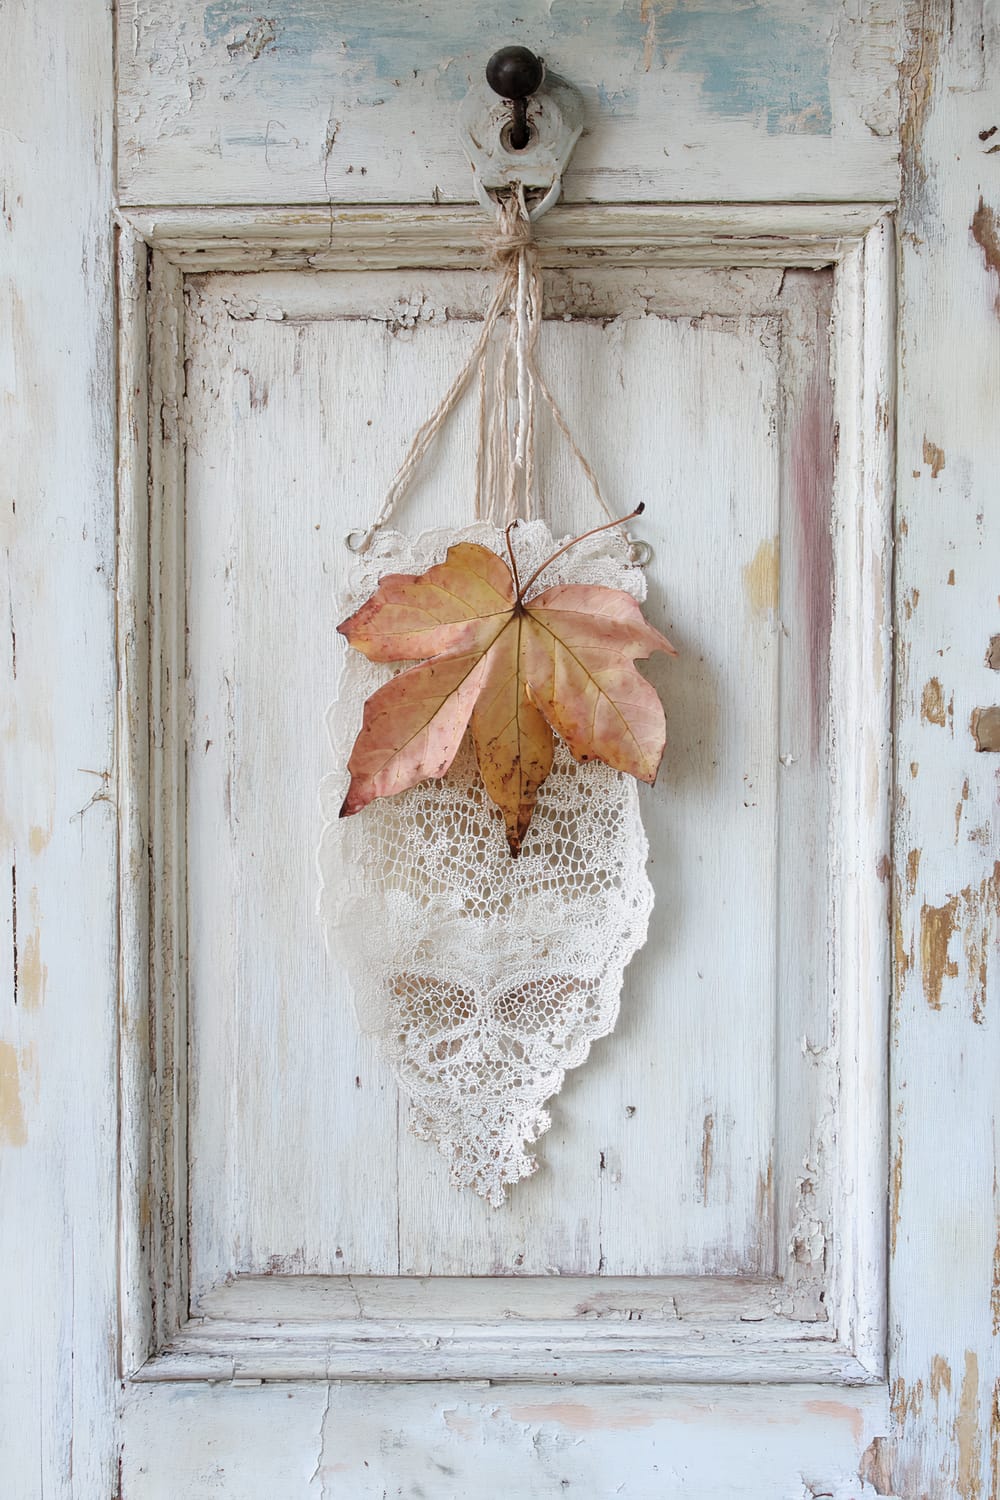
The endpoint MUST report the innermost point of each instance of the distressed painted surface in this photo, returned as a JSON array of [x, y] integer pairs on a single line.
[[57, 817], [182, 142], [451, 1443], [945, 1273], [276, 1055], [307, 102]]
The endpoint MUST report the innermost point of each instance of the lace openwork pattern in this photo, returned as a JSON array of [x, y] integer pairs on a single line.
[[483, 977]]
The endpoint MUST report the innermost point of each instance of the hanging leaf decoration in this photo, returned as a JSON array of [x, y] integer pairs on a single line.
[[511, 667]]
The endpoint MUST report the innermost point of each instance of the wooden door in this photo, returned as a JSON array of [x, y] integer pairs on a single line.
[[758, 1258]]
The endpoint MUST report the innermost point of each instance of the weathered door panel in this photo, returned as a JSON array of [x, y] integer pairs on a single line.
[[303, 1305]]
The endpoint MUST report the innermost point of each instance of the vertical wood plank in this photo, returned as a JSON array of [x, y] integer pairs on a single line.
[[58, 825], [945, 1208]]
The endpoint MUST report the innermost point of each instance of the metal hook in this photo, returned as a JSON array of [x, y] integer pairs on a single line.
[[515, 74]]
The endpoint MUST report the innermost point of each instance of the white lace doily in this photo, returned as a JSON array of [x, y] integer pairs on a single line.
[[483, 977]]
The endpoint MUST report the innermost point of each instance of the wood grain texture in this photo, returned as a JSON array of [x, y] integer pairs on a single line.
[[945, 1226], [265, 527], [57, 969], [324, 103], [451, 1442]]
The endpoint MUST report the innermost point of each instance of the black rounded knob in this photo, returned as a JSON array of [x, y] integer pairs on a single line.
[[514, 73]]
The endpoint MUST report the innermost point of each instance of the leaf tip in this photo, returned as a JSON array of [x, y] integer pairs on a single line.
[[350, 805]]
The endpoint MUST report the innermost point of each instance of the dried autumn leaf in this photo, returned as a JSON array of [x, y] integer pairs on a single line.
[[510, 668]]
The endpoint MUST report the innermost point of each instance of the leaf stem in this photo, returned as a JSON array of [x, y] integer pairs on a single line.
[[582, 538], [513, 560]]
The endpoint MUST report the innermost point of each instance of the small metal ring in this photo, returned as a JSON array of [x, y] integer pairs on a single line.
[[358, 540], [640, 553]]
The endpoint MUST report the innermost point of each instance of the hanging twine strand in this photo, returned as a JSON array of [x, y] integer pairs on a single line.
[[505, 452]]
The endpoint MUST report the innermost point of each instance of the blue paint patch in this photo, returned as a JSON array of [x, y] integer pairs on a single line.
[[749, 61], [383, 44]]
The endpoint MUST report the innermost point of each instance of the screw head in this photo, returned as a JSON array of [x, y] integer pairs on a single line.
[[514, 72]]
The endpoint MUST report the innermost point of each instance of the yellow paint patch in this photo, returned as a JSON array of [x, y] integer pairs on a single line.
[[32, 974], [762, 578], [38, 838], [937, 923], [13, 1131], [968, 1436]]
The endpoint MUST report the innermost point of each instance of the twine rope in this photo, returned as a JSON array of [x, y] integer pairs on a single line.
[[505, 457]]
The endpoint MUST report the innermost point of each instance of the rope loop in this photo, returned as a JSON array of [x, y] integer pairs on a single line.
[[509, 380]]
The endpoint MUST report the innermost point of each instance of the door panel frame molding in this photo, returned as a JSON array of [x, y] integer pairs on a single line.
[[729, 1329]]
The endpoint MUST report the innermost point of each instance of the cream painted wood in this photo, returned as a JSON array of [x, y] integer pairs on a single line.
[[59, 1245], [338, 103], [655, 1164], [58, 1127], [945, 1220], [824, 1198], [452, 1442]]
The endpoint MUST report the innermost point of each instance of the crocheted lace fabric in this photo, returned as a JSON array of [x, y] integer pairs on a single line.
[[483, 977]]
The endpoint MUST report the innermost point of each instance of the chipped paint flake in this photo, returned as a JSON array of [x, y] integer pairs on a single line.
[[968, 1434], [932, 705], [937, 924], [940, 1377], [934, 456], [986, 233], [985, 727]]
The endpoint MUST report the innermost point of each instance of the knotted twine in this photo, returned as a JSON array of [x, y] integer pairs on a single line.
[[505, 453]]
